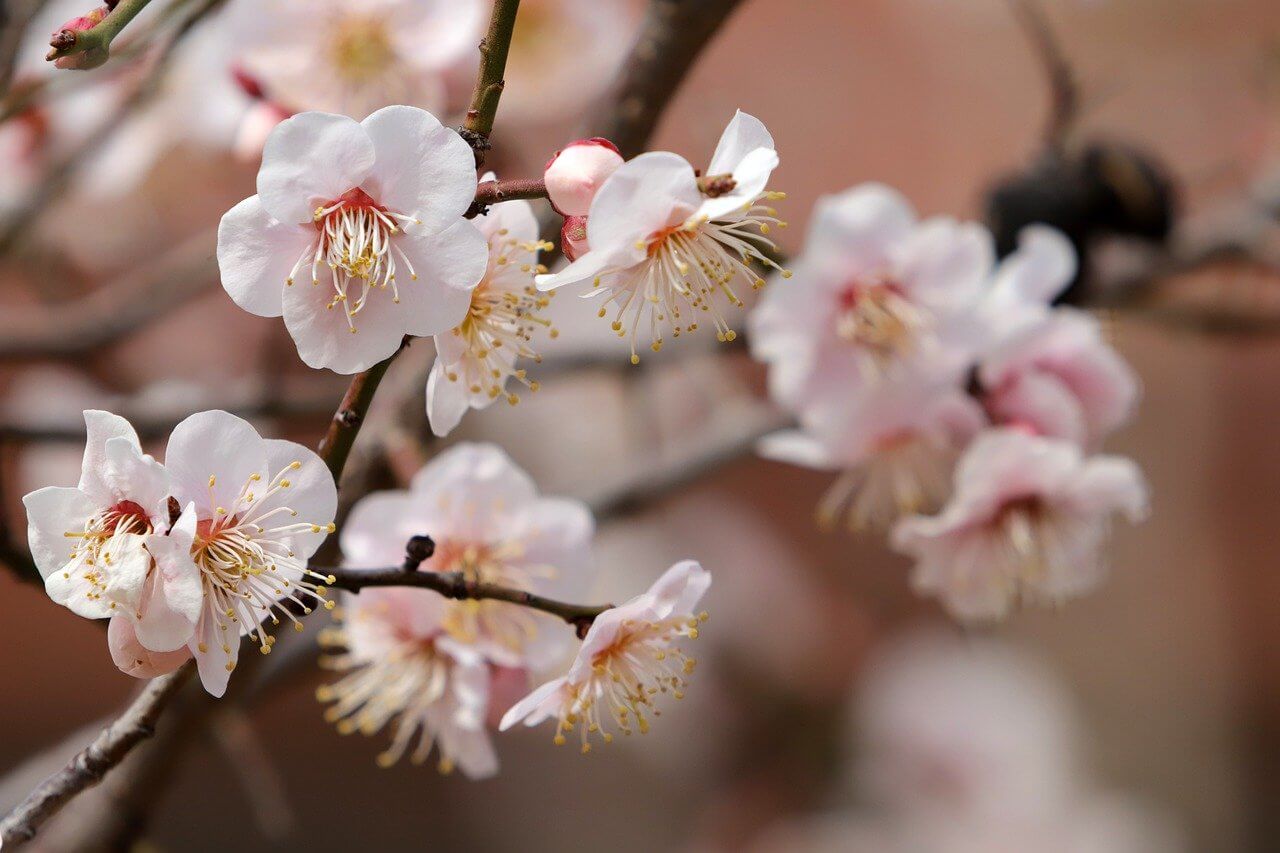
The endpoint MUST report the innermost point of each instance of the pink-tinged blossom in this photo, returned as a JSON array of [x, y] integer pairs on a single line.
[[1026, 283], [261, 508], [1060, 378], [91, 542], [576, 172], [895, 444], [630, 655], [488, 522], [353, 58], [1025, 524], [573, 237], [355, 236], [476, 358], [663, 252], [400, 667], [875, 292]]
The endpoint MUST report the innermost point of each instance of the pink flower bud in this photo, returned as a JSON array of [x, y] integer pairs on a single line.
[[575, 173], [65, 37], [573, 237]]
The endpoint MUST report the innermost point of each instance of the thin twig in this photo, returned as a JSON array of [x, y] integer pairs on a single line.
[[493, 192], [673, 34], [70, 42], [115, 742], [1064, 94], [490, 83], [335, 447]]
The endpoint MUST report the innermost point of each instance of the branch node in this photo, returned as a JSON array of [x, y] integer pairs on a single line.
[[417, 551]]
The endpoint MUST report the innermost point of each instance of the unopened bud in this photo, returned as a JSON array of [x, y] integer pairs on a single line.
[[64, 39], [259, 120], [573, 237], [577, 171]]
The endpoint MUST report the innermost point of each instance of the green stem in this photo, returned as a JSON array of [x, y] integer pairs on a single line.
[[493, 65], [100, 36]]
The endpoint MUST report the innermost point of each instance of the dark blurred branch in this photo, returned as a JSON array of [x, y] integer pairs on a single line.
[[489, 83], [673, 34], [1064, 94], [87, 769], [116, 309], [15, 17]]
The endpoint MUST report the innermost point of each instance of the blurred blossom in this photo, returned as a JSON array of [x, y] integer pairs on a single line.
[[1027, 523], [361, 217], [475, 359], [665, 248], [630, 655], [488, 522], [875, 293], [563, 55], [352, 58], [896, 445], [402, 667]]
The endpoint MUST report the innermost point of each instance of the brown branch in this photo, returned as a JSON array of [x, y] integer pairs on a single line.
[[489, 83], [673, 34], [89, 766], [15, 18], [492, 192], [1064, 94], [335, 447]]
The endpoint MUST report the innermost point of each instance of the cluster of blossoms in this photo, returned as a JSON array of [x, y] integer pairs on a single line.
[[660, 243], [188, 557], [960, 405], [429, 665]]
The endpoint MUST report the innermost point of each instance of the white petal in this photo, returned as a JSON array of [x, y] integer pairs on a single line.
[[310, 159], [590, 265], [479, 474], [859, 226], [542, 703], [946, 262], [257, 255], [53, 512], [447, 401], [751, 176], [99, 428], [133, 658], [172, 600], [135, 476], [744, 134], [311, 493], [127, 574], [1112, 484], [213, 444], [557, 532], [680, 588], [212, 663], [324, 338], [449, 266], [795, 447], [375, 533], [651, 192], [422, 168]]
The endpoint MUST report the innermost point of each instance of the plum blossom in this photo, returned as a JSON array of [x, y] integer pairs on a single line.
[[576, 172], [665, 246], [488, 522], [476, 358], [1060, 378], [261, 507], [352, 58], [400, 665], [355, 236], [91, 542], [1025, 523], [895, 444], [876, 291], [629, 655]]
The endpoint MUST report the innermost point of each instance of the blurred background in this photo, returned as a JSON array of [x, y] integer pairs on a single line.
[[1145, 717]]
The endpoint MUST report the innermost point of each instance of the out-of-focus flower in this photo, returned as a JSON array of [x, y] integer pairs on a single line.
[[356, 227], [262, 508], [629, 656], [488, 522], [402, 667], [575, 173], [352, 58], [1026, 522], [875, 292], [1025, 284], [475, 359], [664, 248], [1060, 378], [91, 542], [896, 444], [563, 55]]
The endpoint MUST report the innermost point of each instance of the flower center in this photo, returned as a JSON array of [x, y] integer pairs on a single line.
[[691, 268], [361, 48], [908, 473], [877, 316], [101, 539], [501, 322], [641, 663], [354, 240], [247, 566]]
